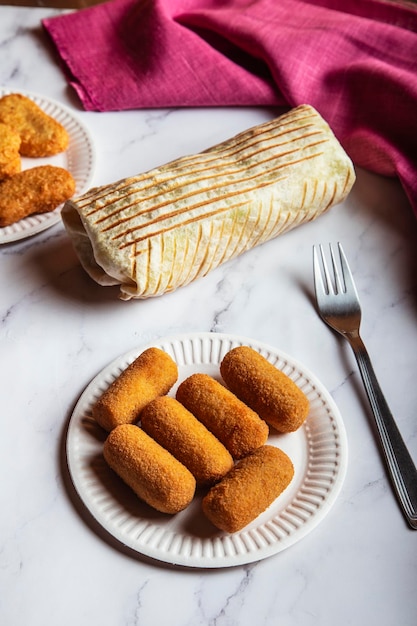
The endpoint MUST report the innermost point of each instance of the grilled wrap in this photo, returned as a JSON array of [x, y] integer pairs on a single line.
[[159, 230]]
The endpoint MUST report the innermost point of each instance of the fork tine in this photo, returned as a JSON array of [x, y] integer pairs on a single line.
[[339, 285], [350, 286], [319, 278], [325, 279]]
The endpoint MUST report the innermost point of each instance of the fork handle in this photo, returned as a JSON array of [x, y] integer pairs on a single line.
[[400, 464]]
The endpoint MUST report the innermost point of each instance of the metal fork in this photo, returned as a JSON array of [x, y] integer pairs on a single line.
[[339, 307]]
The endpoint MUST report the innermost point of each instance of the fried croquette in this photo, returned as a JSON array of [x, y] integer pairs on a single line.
[[263, 387], [151, 374], [237, 426], [152, 472], [10, 162], [36, 190], [41, 135], [248, 489], [178, 431]]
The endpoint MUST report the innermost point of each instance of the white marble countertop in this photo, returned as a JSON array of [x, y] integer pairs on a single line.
[[59, 329]]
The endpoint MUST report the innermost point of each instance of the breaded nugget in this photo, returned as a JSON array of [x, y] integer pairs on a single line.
[[151, 471], [239, 428], [179, 432], [267, 390], [151, 374], [248, 489], [10, 162], [37, 190], [41, 134]]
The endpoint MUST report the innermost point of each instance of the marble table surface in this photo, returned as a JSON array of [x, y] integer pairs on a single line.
[[59, 329]]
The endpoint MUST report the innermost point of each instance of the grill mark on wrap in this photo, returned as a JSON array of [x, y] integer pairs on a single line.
[[174, 262], [179, 225], [205, 201], [186, 253], [303, 199], [205, 261], [316, 182], [269, 222], [161, 257], [241, 141], [133, 261], [347, 181], [332, 196], [191, 276], [192, 180], [239, 239], [187, 196], [149, 252], [221, 239]]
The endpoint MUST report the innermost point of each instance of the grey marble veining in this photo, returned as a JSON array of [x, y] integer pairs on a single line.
[[58, 330]]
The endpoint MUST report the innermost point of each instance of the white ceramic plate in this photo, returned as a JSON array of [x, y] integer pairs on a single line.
[[318, 451], [78, 159]]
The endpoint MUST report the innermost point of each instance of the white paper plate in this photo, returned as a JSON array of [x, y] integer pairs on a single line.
[[78, 159], [318, 451]]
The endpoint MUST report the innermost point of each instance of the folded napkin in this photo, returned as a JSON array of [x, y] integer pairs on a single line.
[[355, 61]]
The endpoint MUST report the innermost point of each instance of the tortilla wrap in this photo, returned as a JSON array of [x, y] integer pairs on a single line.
[[162, 229]]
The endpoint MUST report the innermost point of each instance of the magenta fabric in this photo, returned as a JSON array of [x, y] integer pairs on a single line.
[[354, 60]]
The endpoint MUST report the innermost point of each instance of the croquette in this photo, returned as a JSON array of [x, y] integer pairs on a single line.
[[151, 374], [152, 472], [176, 429], [237, 426], [248, 489], [263, 387]]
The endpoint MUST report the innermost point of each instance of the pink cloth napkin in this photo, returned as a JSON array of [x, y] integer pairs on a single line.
[[355, 61]]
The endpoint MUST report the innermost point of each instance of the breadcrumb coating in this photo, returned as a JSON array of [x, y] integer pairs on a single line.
[[177, 430], [151, 374], [10, 162], [237, 426], [37, 190], [248, 489], [263, 387], [41, 135], [152, 472]]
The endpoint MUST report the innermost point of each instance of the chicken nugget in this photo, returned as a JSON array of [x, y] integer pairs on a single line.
[[36, 190], [248, 489], [41, 135], [151, 374], [10, 162], [151, 471], [237, 426], [179, 432], [263, 387]]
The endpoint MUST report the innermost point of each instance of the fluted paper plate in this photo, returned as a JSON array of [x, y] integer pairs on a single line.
[[318, 451], [78, 159]]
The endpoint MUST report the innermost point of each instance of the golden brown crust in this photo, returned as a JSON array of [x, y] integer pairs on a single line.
[[248, 489], [152, 374], [151, 471], [41, 135], [10, 162], [177, 430], [36, 190], [237, 426], [267, 390]]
